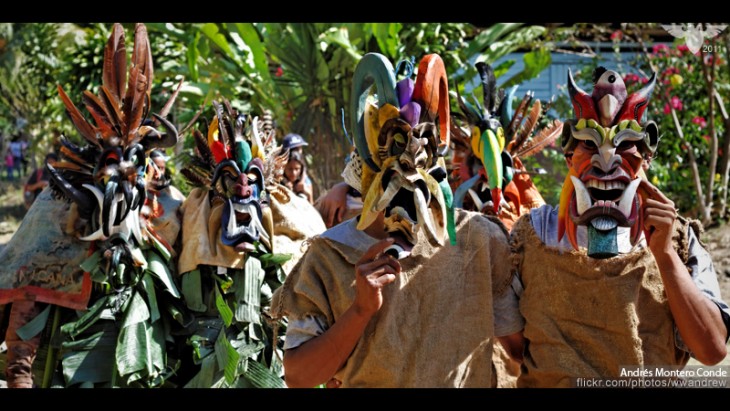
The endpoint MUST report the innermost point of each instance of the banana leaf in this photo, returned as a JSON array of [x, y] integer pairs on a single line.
[[91, 262], [204, 378], [248, 291], [148, 285], [140, 352], [227, 357], [159, 268], [270, 260], [90, 360], [260, 376], [34, 326], [89, 318], [223, 309], [192, 291], [136, 312]]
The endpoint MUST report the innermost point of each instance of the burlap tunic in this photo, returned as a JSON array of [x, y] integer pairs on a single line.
[[587, 317], [435, 328], [295, 220]]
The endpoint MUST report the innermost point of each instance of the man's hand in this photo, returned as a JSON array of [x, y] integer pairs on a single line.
[[373, 271], [334, 204], [659, 217]]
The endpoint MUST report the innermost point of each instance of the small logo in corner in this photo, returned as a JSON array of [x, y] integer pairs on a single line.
[[693, 34]]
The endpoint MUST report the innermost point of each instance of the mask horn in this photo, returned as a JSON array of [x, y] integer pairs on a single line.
[[375, 69], [582, 102], [637, 103], [432, 89]]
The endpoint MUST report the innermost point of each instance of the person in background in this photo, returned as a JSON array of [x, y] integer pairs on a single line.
[[295, 174], [344, 200], [163, 200], [38, 180], [16, 148], [9, 165], [295, 144]]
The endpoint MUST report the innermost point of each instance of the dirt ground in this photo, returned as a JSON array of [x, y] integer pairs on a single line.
[[717, 241]]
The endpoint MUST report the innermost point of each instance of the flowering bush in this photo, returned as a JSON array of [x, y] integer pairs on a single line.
[[686, 104]]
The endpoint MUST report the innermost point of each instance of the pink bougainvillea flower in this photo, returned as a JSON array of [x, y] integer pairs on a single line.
[[700, 121], [677, 103], [660, 49], [631, 78], [667, 109], [617, 35]]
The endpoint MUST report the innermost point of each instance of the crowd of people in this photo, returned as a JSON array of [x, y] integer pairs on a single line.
[[420, 269]]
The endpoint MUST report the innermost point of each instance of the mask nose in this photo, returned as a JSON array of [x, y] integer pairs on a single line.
[[242, 189]]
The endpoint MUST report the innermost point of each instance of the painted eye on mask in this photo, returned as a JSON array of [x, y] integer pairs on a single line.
[[626, 145], [399, 144], [589, 145]]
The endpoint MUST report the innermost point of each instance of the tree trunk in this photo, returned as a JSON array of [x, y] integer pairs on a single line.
[[710, 79], [725, 161], [704, 211]]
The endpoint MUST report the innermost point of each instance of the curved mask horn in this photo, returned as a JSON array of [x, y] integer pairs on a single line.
[[582, 102], [637, 103], [373, 68], [432, 89]]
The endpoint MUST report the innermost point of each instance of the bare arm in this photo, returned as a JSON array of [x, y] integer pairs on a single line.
[[334, 204], [317, 360], [698, 319]]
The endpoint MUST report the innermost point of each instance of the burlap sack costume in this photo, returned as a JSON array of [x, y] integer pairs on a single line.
[[295, 220], [587, 317], [202, 233], [435, 328]]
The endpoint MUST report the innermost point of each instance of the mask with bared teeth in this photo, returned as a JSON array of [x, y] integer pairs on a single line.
[[605, 147], [401, 135], [231, 162]]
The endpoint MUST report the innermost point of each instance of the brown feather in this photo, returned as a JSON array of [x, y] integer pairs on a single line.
[[517, 118], [69, 155], [67, 165], [229, 108], [143, 53], [99, 113], [545, 137], [528, 127], [84, 127], [129, 98], [139, 85], [194, 178], [112, 105], [204, 151], [115, 62], [136, 112]]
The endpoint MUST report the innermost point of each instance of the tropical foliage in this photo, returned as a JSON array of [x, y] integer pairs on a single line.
[[299, 71]]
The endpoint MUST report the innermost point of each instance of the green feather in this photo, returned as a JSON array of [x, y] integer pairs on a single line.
[[449, 201]]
